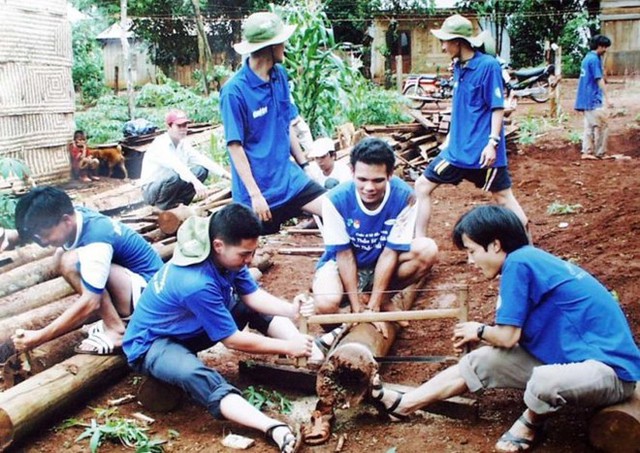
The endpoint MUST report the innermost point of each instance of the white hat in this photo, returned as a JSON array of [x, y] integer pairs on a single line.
[[321, 147]]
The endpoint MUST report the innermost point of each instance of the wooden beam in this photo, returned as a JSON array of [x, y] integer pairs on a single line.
[[617, 428]]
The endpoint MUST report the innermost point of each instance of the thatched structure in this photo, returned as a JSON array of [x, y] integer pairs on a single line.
[[36, 94]]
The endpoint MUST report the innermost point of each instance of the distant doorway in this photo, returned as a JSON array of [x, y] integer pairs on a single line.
[[399, 43]]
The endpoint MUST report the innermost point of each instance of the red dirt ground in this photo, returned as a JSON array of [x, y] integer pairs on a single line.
[[602, 236]]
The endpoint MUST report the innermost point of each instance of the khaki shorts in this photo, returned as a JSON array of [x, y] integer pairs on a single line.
[[329, 270]]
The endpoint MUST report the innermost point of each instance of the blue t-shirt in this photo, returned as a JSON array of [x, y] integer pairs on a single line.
[[182, 302], [258, 114], [101, 241], [565, 314], [348, 224], [589, 94], [478, 89]]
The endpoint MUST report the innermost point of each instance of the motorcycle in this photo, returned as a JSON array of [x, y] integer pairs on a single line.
[[533, 83], [423, 88]]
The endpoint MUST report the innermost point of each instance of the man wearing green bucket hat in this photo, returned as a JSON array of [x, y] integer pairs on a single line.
[[205, 295], [257, 112], [475, 147]]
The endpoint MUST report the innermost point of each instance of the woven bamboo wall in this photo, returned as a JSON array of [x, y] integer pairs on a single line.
[[36, 90]]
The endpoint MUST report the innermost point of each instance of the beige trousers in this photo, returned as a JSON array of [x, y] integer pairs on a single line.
[[596, 128]]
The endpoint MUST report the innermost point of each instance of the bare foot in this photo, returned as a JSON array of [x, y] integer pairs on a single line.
[[587, 157]]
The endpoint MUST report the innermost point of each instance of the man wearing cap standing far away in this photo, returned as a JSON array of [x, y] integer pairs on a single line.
[[325, 170], [257, 113], [205, 295], [475, 147], [173, 172]]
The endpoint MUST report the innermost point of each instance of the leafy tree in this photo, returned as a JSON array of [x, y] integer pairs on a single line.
[[498, 13], [87, 70]]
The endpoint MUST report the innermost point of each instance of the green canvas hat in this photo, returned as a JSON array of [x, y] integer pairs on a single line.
[[193, 244], [260, 30], [457, 27]]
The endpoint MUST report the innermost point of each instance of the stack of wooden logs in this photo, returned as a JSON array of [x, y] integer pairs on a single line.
[[32, 294]]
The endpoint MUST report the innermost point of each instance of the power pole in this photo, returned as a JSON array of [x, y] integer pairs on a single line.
[[124, 25]]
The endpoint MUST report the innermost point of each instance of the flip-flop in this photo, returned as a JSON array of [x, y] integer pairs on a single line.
[[97, 343], [319, 431], [521, 443], [291, 442]]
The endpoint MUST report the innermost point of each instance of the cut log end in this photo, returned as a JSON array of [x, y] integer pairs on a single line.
[[158, 396], [345, 377], [6, 430], [617, 428]]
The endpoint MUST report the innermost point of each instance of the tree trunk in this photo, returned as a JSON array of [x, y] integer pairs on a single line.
[[28, 275], [617, 428], [37, 400], [34, 297], [204, 51]]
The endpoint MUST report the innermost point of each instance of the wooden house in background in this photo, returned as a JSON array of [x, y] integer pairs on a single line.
[[621, 23], [36, 89]]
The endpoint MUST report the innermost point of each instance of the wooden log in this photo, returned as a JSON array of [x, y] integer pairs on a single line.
[[169, 221], [41, 358], [412, 127], [155, 235], [28, 275], [39, 399], [34, 297], [306, 251], [30, 320], [426, 123], [22, 255], [616, 429]]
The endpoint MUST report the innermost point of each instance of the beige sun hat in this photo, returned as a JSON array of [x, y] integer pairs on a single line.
[[260, 30], [321, 147], [457, 27], [488, 43], [193, 244]]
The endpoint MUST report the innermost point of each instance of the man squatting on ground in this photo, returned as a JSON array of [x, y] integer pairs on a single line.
[[475, 147], [173, 172], [257, 113], [368, 235], [104, 261], [559, 334], [205, 295]]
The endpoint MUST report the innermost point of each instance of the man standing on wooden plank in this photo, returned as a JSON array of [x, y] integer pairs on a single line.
[[257, 113], [559, 334], [104, 261], [173, 172], [205, 295], [475, 148], [369, 236]]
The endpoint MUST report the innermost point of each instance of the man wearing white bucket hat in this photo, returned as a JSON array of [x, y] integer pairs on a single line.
[[325, 170], [475, 147], [257, 112]]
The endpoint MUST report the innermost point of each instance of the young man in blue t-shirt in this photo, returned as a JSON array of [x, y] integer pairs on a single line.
[[368, 233], [257, 113], [559, 334], [205, 295], [475, 148], [104, 261], [591, 99]]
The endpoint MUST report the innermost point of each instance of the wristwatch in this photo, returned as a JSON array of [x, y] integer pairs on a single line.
[[480, 331]]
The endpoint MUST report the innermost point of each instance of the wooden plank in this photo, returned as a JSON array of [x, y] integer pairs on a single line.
[[312, 251]]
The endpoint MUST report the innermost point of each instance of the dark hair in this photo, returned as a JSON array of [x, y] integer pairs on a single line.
[[40, 209], [78, 133], [485, 224], [373, 151], [233, 223], [599, 40]]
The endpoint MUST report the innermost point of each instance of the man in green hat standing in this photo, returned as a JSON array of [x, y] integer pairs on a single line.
[[256, 113], [475, 147]]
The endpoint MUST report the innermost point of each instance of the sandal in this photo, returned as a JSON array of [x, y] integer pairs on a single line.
[[290, 443], [389, 411], [319, 431], [520, 443], [97, 343]]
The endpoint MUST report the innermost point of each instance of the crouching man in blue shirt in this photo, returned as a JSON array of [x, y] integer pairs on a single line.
[[204, 295], [559, 333]]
